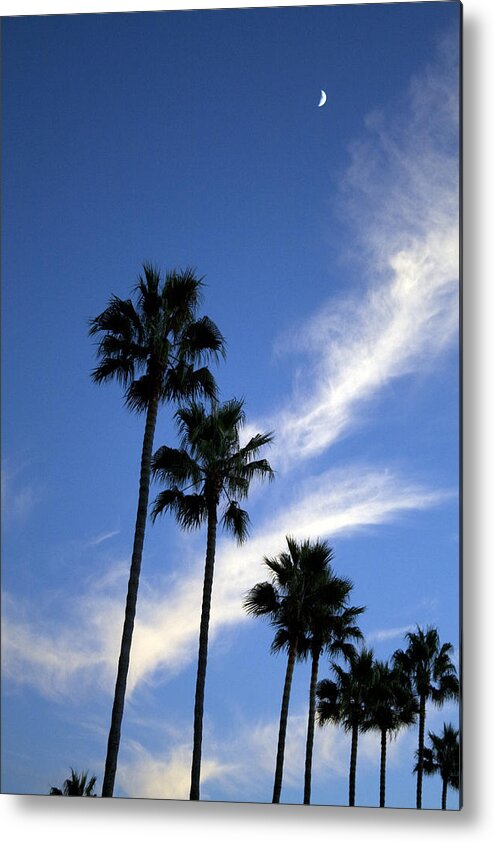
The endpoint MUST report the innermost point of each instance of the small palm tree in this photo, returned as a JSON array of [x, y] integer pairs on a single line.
[[77, 784], [151, 348], [433, 675], [344, 702], [210, 467], [443, 758], [391, 706], [331, 627], [288, 600]]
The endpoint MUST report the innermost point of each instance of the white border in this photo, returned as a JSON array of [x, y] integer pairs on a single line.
[[59, 819]]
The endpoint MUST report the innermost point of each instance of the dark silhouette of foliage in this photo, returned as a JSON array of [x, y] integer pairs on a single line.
[[331, 628], [76, 785], [151, 347], [390, 706], [344, 702], [209, 469], [428, 665], [297, 575], [443, 757]]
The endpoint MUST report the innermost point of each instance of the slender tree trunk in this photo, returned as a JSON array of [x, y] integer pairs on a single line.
[[310, 725], [203, 652], [130, 607], [444, 793], [280, 755], [382, 780], [420, 753], [353, 767]]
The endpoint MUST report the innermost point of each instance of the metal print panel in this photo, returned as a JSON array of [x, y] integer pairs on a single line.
[[231, 405]]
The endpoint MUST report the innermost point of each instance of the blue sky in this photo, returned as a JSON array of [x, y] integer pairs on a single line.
[[328, 238]]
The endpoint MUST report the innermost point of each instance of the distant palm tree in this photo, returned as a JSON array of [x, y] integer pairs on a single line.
[[77, 784], [344, 702], [210, 466], [391, 705], [331, 627], [443, 758], [151, 348], [433, 675], [287, 600]]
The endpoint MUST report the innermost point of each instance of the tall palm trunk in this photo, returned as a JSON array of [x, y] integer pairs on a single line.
[[353, 767], [420, 753], [203, 651], [280, 755], [444, 793], [310, 725], [130, 607], [382, 780]]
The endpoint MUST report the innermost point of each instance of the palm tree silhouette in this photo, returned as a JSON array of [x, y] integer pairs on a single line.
[[344, 702], [287, 600], [77, 784], [391, 705], [443, 758], [151, 348], [331, 627], [433, 675], [209, 467]]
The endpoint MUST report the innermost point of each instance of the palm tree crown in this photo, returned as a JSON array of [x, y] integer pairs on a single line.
[[433, 675], [344, 702], [210, 468], [298, 577], [76, 785], [391, 705], [151, 348], [443, 757], [331, 627]]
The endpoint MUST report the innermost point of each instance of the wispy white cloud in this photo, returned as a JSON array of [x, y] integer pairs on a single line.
[[379, 635], [105, 536], [58, 657], [19, 496], [402, 194], [144, 775], [241, 759]]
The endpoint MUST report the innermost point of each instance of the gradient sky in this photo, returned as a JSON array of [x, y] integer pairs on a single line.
[[328, 238]]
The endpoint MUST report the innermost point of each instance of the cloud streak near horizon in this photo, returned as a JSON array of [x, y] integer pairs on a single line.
[[46, 655]]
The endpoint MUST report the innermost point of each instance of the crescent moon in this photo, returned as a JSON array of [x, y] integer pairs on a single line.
[[323, 99]]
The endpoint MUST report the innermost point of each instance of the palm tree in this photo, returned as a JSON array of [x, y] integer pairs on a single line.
[[433, 675], [443, 757], [151, 349], [332, 628], [391, 705], [287, 600], [77, 784], [344, 702], [209, 467]]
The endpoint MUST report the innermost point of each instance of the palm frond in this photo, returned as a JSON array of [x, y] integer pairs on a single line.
[[242, 473], [120, 369], [236, 521], [175, 467], [120, 319], [190, 510], [203, 337], [254, 445], [261, 600], [182, 294], [184, 383], [139, 394]]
